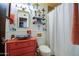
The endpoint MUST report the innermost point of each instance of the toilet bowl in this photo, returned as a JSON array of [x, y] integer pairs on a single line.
[[44, 50]]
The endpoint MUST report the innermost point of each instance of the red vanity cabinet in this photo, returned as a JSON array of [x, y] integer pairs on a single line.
[[25, 47]]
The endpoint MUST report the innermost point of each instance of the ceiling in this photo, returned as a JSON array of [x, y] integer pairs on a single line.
[[51, 6]]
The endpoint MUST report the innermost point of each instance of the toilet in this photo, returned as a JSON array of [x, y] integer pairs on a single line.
[[44, 50]]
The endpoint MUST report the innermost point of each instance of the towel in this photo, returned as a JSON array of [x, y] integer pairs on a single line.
[[75, 28]]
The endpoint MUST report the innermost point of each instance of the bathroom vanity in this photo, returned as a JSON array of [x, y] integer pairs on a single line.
[[25, 47]]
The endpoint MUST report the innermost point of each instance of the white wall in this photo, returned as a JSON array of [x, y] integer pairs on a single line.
[[61, 38]]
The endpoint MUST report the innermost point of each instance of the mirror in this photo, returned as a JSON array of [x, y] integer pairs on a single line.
[[22, 22], [23, 19]]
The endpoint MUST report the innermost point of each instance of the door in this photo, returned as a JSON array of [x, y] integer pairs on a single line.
[[3, 7]]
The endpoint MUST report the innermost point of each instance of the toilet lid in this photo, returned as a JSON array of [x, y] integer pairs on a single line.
[[44, 48]]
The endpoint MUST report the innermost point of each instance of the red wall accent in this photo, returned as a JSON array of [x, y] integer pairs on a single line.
[[75, 29]]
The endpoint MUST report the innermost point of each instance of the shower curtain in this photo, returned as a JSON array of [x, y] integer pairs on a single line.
[[51, 16], [60, 29]]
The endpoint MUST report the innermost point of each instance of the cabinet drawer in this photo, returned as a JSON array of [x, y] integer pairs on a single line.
[[29, 54], [12, 53], [21, 51], [20, 44]]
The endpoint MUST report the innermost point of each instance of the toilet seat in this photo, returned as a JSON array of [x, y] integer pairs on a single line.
[[44, 48]]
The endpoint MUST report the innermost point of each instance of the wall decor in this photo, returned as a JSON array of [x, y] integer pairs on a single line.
[[39, 34], [12, 22]]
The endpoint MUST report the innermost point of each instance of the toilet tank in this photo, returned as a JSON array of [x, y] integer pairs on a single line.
[[41, 41]]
